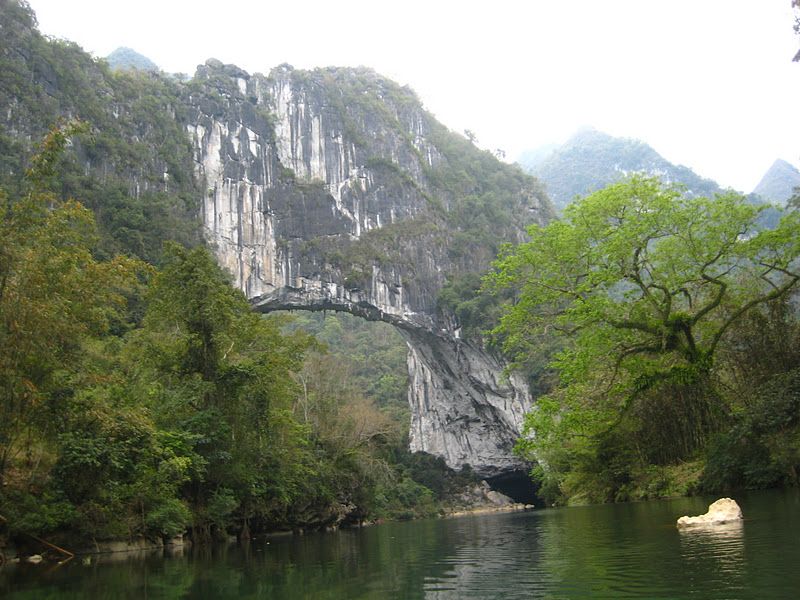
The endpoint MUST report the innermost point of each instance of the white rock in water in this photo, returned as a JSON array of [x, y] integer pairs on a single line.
[[35, 559], [724, 510]]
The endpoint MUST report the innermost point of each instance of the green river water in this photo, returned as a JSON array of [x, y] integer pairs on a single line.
[[611, 551]]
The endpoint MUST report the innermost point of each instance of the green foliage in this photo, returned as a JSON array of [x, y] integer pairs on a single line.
[[371, 355], [53, 295], [36, 510], [355, 401], [221, 507], [486, 201], [477, 311], [168, 518], [762, 448], [432, 472], [195, 413], [403, 499], [223, 375], [115, 471], [180, 416], [134, 134], [641, 284]]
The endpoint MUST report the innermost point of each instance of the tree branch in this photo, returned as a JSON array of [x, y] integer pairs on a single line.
[[635, 325], [625, 354], [773, 295], [723, 287]]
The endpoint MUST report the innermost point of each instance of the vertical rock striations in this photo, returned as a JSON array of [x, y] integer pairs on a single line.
[[325, 189], [334, 190], [462, 406]]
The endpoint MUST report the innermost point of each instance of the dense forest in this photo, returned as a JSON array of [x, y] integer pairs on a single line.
[[665, 329], [142, 400], [140, 395]]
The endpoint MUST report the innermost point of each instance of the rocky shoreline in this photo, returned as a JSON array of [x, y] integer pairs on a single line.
[[477, 500]]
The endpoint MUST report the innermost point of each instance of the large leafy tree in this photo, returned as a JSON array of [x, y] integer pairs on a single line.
[[54, 296], [220, 375], [641, 283]]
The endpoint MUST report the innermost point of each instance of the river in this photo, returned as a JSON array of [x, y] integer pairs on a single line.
[[610, 551]]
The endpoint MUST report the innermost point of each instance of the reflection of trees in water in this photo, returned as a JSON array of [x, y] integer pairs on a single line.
[[611, 551], [113, 576], [635, 550], [494, 551], [387, 561]]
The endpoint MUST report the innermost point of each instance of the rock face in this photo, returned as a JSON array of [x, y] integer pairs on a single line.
[[462, 406], [335, 190], [482, 495], [330, 189], [724, 510]]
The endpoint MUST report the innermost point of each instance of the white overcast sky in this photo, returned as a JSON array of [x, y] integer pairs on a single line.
[[708, 83]]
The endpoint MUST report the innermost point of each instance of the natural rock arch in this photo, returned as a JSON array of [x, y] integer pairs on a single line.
[[317, 203], [463, 407]]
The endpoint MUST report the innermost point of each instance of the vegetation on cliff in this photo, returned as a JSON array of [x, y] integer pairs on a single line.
[[652, 297], [132, 166], [144, 401], [141, 396], [454, 200]]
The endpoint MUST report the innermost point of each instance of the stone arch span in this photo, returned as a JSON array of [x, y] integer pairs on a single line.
[[311, 202], [464, 408]]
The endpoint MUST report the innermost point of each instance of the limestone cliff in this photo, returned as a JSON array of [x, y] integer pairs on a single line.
[[335, 190], [326, 189]]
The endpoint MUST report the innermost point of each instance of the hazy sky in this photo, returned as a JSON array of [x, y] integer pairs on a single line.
[[708, 83]]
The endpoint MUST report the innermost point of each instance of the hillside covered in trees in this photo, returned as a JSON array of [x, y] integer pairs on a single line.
[[140, 393], [667, 327], [590, 160]]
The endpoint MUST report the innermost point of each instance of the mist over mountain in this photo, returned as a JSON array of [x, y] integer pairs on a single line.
[[591, 160], [126, 59], [778, 183]]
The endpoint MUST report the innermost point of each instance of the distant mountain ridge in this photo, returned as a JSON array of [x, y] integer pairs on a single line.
[[126, 59], [591, 160], [778, 183]]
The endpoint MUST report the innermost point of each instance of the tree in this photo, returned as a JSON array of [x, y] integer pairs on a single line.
[[642, 283], [221, 375], [54, 296]]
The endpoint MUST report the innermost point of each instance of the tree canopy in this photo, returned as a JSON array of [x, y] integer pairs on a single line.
[[641, 284]]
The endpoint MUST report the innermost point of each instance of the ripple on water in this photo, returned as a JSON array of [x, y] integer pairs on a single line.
[[614, 551]]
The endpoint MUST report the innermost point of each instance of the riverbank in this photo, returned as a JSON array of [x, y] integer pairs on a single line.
[[476, 499], [602, 551]]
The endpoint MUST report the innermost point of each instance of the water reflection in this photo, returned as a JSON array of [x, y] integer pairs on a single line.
[[490, 546], [720, 547], [622, 551]]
